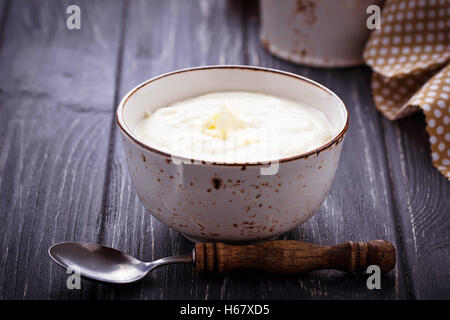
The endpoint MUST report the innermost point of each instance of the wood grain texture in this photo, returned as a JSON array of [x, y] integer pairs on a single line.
[[293, 257], [63, 174], [348, 212], [56, 98], [162, 36], [422, 207], [5, 5], [358, 207]]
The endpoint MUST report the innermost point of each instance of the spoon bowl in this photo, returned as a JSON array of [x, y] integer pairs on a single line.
[[106, 264]]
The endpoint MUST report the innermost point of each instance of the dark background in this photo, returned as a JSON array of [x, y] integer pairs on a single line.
[[63, 174]]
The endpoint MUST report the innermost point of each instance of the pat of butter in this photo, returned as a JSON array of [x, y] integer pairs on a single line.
[[219, 123]]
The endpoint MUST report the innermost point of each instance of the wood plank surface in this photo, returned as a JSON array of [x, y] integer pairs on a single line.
[[64, 177], [422, 198], [156, 43], [358, 206], [56, 97], [347, 214]]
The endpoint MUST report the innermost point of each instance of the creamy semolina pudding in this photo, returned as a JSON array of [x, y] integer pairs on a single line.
[[235, 127]]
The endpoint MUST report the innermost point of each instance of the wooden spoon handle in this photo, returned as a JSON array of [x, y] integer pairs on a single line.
[[289, 256]]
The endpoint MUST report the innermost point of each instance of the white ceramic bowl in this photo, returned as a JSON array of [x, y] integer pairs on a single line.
[[321, 33], [224, 201]]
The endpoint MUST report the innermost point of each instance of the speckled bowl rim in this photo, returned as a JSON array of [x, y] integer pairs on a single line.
[[124, 128]]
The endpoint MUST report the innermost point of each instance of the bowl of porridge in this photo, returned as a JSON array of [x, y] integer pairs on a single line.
[[232, 153]]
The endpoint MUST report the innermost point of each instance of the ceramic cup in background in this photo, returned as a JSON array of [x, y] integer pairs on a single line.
[[224, 201], [320, 33]]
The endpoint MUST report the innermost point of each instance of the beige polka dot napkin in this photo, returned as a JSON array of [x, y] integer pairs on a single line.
[[410, 59]]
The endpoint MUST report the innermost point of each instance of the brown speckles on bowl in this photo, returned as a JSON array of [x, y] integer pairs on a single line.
[[144, 159], [308, 9], [216, 182]]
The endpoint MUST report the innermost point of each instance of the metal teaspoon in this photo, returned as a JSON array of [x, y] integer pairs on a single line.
[[280, 256]]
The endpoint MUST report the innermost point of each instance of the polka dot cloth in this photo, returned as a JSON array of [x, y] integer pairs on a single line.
[[410, 57]]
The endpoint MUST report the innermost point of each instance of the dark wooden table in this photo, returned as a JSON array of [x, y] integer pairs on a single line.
[[63, 175]]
